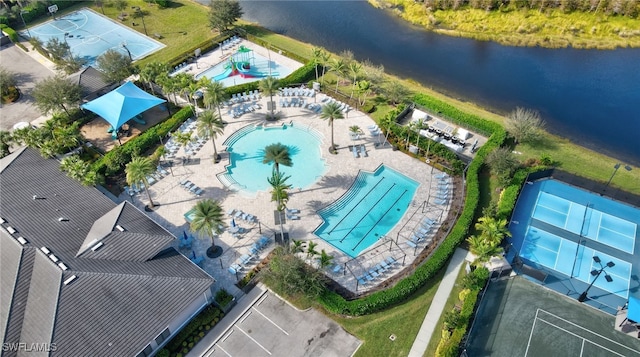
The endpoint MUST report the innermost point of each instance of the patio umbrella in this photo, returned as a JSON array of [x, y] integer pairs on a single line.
[[233, 222], [193, 255], [633, 310], [184, 234]]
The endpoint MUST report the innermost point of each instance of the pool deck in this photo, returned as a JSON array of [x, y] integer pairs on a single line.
[[175, 201]]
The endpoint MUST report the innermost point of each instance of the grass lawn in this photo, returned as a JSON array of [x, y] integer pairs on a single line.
[[403, 320], [183, 25], [524, 27], [451, 302]]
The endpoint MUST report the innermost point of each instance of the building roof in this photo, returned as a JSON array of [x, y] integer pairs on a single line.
[[59, 286], [90, 80]]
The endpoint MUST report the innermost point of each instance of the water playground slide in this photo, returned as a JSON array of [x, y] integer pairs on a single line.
[[251, 72], [223, 75]]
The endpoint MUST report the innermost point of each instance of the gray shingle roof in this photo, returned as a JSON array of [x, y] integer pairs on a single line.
[[90, 80], [125, 293]]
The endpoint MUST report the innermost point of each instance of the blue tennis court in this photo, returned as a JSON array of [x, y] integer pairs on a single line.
[[90, 34], [559, 229]]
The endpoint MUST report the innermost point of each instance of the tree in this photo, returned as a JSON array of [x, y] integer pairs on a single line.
[[311, 249], [396, 92], [115, 66], [525, 125], [269, 86], [297, 246], [120, 5], [289, 275], [331, 112], [151, 71], [325, 259], [364, 88], [169, 85], [354, 69], [503, 164], [214, 94], [482, 249], [59, 50], [137, 171], [338, 67], [6, 140], [55, 93], [355, 131], [324, 61], [223, 14], [316, 57], [279, 187], [183, 139], [493, 229], [80, 170], [209, 125], [208, 221], [7, 80], [278, 154]]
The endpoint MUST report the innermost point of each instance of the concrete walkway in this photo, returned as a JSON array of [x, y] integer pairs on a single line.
[[437, 305]]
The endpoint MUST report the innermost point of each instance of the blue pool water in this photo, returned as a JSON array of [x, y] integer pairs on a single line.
[[260, 67], [367, 211], [247, 173], [561, 228], [90, 34]]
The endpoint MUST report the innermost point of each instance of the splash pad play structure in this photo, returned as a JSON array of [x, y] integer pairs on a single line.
[[243, 63]]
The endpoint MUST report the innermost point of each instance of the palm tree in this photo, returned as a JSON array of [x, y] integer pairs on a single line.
[[6, 140], [482, 249], [338, 66], [278, 154], [325, 56], [137, 171], [311, 249], [325, 259], [297, 246], [208, 221], [354, 69], [316, 57], [269, 85], [214, 94], [209, 125], [279, 192], [80, 170], [355, 131], [331, 112], [364, 87], [494, 230], [183, 139], [150, 72]]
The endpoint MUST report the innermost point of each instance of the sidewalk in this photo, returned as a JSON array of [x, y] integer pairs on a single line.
[[437, 305]]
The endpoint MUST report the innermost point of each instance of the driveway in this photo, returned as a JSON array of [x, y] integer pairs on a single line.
[[29, 69]]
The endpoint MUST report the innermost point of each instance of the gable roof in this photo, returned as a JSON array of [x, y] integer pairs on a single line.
[[90, 80], [123, 294]]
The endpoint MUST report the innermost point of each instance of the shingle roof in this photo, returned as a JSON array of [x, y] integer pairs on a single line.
[[90, 80], [125, 293]]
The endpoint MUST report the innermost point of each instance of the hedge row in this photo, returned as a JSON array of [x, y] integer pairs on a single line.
[[301, 75], [407, 286], [13, 35], [510, 194], [192, 332], [144, 142]]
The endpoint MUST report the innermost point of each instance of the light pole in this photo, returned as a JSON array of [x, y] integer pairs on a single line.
[[615, 169], [25, 24], [124, 45], [596, 273], [66, 34], [139, 12]]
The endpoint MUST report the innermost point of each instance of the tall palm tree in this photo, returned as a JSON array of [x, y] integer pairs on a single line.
[[483, 249], [493, 229], [209, 125], [297, 246], [150, 72], [279, 187], [311, 249], [278, 154], [338, 66], [325, 259], [316, 57], [208, 221], [137, 171], [269, 85], [331, 112], [214, 94], [355, 68], [325, 56]]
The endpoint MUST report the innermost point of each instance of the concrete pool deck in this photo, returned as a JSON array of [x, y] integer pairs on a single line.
[[342, 170]]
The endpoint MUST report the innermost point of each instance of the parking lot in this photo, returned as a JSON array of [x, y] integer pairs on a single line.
[[271, 327]]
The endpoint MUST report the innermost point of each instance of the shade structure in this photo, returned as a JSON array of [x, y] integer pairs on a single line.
[[633, 310], [122, 104]]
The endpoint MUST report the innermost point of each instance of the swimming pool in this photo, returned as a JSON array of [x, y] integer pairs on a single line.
[[90, 34], [372, 206], [260, 67], [248, 174], [561, 227]]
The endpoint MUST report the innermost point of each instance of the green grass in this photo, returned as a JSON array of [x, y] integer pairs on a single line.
[[403, 320], [279, 42], [183, 25], [448, 306], [524, 27]]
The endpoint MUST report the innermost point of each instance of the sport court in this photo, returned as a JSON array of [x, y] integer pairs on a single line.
[[519, 318], [562, 231], [90, 34]]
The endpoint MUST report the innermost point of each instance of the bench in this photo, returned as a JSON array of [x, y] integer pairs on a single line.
[[157, 35], [122, 17]]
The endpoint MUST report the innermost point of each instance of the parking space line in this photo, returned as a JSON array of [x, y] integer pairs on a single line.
[[222, 349], [244, 317], [227, 336], [262, 299], [268, 319], [252, 339]]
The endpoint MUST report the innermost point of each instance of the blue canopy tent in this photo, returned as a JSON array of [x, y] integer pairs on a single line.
[[633, 309], [122, 104]]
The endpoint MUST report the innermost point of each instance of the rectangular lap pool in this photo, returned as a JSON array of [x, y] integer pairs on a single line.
[[371, 207]]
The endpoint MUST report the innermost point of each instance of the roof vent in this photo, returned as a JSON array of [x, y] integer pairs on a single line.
[[45, 250], [2, 220], [22, 240], [62, 266], [120, 228], [97, 246], [62, 219], [36, 197], [71, 278], [11, 230], [53, 257]]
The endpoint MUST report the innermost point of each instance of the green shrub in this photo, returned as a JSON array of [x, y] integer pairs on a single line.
[[223, 297], [189, 333], [13, 35], [163, 353]]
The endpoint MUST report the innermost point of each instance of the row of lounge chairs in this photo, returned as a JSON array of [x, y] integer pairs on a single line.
[[295, 102], [359, 150], [344, 107], [292, 214], [230, 42], [259, 245], [191, 187], [376, 271], [374, 130], [244, 97], [241, 109], [297, 92], [238, 214], [158, 175], [443, 189], [421, 232]]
